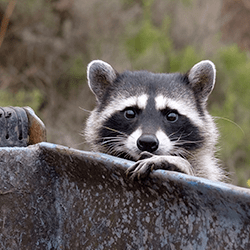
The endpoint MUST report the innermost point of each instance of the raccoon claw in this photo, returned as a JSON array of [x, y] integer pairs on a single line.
[[145, 166], [145, 155], [130, 172], [140, 170]]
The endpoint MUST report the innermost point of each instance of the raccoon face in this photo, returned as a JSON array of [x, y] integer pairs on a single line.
[[164, 114]]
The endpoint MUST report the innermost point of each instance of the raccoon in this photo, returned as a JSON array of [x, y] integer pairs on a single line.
[[158, 120]]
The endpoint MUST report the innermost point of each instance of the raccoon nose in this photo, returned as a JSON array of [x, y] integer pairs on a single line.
[[147, 142]]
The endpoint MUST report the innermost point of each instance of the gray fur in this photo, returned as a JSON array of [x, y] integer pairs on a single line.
[[188, 93], [100, 75], [202, 78]]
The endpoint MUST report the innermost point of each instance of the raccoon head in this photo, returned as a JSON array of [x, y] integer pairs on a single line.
[[164, 114]]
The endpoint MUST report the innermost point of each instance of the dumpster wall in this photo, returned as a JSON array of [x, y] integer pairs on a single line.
[[54, 197]]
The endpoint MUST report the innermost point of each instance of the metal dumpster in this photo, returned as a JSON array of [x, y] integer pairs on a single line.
[[55, 197]]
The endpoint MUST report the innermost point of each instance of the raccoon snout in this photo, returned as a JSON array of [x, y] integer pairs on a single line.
[[148, 142]]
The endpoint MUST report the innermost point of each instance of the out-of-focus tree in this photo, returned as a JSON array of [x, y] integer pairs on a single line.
[[48, 44]]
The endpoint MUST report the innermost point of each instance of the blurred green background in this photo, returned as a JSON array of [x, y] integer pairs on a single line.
[[48, 44]]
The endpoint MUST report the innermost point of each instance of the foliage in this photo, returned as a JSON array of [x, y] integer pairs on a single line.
[[233, 67], [151, 47], [76, 73], [147, 43], [45, 54], [31, 98]]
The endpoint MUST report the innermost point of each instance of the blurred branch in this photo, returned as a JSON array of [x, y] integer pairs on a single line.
[[246, 4], [6, 19]]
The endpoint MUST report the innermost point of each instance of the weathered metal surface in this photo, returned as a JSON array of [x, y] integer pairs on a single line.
[[54, 197], [20, 127], [37, 130], [13, 127]]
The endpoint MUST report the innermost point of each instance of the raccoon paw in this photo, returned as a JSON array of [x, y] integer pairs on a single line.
[[149, 162]]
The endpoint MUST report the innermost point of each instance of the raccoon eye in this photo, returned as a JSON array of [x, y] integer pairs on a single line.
[[172, 117], [129, 114]]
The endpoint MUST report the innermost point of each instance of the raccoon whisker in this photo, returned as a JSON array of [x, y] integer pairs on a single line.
[[187, 135], [115, 138], [114, 130], [178, 152], [184, 153], [114, 142], [127, 155], [178, 138], [110, 139], [173, 138], [112, 150], [85, 110], [181, 142], [121, 124], [115, 147], [121, 154], [112, 145], [228, 120], [174, 134], [109, 142], [181, 136], [188, 153]]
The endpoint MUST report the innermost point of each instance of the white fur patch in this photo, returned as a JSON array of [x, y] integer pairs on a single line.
[[142, 101], [165, 144], [104, 64], [119, 105], [131, 142], [162, 102]]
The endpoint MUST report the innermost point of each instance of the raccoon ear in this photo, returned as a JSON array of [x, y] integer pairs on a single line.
[[100, 75], [202, 79]]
